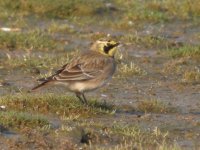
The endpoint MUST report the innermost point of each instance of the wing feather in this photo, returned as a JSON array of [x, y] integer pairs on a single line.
[[79, 70]]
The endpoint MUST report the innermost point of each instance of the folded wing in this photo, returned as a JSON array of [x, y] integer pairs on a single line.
[[79, 72]]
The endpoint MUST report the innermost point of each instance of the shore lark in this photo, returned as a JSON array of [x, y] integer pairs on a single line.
[[87, 72]]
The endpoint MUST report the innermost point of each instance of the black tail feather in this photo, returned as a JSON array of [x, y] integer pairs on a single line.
[[40, 85]]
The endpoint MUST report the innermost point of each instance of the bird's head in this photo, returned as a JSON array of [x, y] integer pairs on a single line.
[[105, 47]]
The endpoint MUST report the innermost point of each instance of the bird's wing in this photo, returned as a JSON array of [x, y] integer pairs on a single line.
[[78, 73], [79, 70]]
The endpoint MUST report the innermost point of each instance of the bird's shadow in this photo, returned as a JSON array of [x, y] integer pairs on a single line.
[[117, 109]]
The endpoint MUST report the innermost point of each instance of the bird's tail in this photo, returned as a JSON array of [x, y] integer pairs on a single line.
[[44, 83]]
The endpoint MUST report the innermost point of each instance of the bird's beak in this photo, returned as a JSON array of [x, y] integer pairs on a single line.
[[117, 44]]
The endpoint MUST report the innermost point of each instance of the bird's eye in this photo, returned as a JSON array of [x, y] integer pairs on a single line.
[[108, 44]]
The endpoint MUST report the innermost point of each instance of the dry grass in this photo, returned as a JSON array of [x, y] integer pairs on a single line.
[[154, 106], [129, 69], [191, 76]]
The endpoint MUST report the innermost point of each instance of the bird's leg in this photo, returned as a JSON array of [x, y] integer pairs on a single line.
[[79, 97], [85, 100]]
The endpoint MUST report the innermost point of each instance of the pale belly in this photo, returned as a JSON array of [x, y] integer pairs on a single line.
[[86, 86], [82, 86]]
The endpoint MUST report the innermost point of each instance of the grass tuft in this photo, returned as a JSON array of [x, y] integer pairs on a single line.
[[139, 138], [154, 106], [191, 76], [129, 69], [16, 119]]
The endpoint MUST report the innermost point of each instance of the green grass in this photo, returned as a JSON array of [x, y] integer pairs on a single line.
[[30, 62], [91, 10], [147, 41], [48, 8], [36, 111], [53, 104], [16, 119], [32, 40], [185, 51], [155, 11], [56, 27]]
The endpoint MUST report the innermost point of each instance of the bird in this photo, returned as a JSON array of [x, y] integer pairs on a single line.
[[89, 71]]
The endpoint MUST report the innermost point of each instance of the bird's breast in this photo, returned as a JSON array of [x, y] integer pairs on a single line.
[[86, 86]]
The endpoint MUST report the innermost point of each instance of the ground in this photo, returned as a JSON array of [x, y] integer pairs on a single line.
[[153, 100]]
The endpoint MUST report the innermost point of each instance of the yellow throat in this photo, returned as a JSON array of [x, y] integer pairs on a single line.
[[105, 47]]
